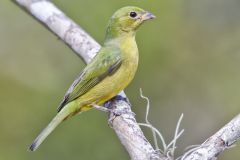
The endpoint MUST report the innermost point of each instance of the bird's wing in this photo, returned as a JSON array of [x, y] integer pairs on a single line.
[[106, 63]]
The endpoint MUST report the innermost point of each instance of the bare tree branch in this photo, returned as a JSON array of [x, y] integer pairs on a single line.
[[86, 47], [57, 22], [124, 124], [217, 143]]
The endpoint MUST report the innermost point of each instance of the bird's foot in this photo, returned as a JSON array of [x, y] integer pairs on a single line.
[[109, 103], [113, 113], [100, 108], [118, 112]]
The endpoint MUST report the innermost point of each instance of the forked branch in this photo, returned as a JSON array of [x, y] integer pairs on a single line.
[[125, 124], [86, 47]]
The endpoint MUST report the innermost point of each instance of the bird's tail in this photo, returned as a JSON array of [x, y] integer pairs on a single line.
[[63, 114]]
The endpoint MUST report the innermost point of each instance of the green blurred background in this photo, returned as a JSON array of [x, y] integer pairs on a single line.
[[189, 63]]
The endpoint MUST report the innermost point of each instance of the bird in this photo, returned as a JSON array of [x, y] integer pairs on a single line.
[[110, 71]]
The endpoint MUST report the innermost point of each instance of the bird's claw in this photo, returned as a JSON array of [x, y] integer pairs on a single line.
[[100, 108], [109, 103], [113, 113]]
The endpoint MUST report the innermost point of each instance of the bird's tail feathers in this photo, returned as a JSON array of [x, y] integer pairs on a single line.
[[62, 115]]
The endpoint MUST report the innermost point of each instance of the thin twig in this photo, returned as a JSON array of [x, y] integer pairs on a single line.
[[217, 143], [86, 47], [176, 136], [147, 121], [167, 149], [158, 133]]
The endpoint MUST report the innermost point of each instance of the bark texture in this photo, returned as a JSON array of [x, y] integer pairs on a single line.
[[124, 122], [86, 47]]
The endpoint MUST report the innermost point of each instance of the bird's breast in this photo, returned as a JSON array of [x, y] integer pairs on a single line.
[[114, 83]]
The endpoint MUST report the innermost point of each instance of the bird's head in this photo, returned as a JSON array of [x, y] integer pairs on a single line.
[[126, 20]]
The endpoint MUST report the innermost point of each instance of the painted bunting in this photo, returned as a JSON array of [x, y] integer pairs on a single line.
[[110, 71]]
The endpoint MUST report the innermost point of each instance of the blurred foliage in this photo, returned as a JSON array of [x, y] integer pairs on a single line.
[[189, 63]]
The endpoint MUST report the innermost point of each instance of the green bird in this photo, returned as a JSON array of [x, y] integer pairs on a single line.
[[111, 70]]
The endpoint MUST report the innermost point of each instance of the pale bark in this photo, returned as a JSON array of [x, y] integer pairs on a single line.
[[86, 47], [124, 124], [217, 143]]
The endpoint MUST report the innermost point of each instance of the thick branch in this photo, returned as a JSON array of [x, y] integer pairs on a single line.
[[217, 143], [57, 22], [124, 125], [86, 47]]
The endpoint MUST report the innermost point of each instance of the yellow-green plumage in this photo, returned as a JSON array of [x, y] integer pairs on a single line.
[[111, 70]]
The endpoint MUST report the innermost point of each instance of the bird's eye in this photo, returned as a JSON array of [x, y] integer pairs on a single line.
[[133, 14]]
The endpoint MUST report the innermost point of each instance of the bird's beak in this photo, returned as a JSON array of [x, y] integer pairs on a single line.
[[147, 15]]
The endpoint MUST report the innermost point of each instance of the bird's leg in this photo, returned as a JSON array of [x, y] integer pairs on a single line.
[[113, 111], [112, 115], [101, 108], [108, 104], [118, 110], [121, 98]]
